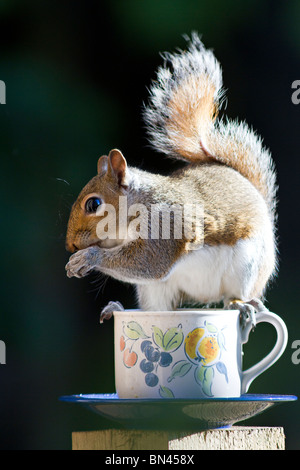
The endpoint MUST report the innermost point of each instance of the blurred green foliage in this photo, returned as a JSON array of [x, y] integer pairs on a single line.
[[76, 75]]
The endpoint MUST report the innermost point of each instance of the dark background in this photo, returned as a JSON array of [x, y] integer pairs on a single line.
[[76, 75]]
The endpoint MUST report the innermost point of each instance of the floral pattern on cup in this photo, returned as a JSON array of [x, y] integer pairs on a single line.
[[203, 347]]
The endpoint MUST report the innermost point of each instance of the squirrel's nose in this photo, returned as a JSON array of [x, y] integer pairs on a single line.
[[71, 247]]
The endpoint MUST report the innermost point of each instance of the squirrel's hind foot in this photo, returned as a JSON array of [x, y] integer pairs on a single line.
[[247, 312], [108, 310]]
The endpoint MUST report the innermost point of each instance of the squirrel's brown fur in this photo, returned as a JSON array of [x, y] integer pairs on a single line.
[[229, 174]]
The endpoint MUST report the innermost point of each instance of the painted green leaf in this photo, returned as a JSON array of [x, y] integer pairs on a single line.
[[172, 339], [204, 376], [180, 369], [165, 392], [134, 331], [207, 381], [211, 328], [158, 336], [199, 374]]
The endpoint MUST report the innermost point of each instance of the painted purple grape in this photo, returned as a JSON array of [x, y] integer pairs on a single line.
[[165, 359], [146, 366], [151, 379], [152, 354], [145, 344]]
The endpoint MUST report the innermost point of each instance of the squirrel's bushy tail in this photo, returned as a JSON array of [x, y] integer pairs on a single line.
[[182, 119]]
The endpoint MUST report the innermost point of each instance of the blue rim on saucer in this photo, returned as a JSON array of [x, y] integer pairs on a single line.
[[172, 413]]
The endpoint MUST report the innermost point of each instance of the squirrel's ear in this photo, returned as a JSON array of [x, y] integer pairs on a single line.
[[118, 166], [102, 164]]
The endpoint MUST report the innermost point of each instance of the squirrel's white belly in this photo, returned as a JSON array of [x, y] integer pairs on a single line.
[[200, 275], [216, 273], [210, 274]]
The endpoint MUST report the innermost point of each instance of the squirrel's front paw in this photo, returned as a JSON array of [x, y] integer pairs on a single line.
[[83, 262]]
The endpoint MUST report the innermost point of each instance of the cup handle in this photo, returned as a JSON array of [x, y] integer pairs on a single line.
[[282, 337]]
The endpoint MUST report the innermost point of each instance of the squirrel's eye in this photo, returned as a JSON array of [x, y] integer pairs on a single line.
[[92, 204]]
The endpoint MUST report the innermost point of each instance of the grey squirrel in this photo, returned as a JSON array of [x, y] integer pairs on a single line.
[[229, 255]]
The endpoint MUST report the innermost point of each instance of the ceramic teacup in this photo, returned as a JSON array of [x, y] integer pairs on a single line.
[[187, 353]]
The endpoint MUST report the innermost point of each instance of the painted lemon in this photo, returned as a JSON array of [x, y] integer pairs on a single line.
[[208, 350], [191, 343]]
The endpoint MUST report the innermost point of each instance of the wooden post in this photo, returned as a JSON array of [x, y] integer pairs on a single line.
[[234, 438]]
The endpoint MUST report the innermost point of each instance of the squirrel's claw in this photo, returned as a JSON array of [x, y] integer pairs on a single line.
[[108, 310]]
